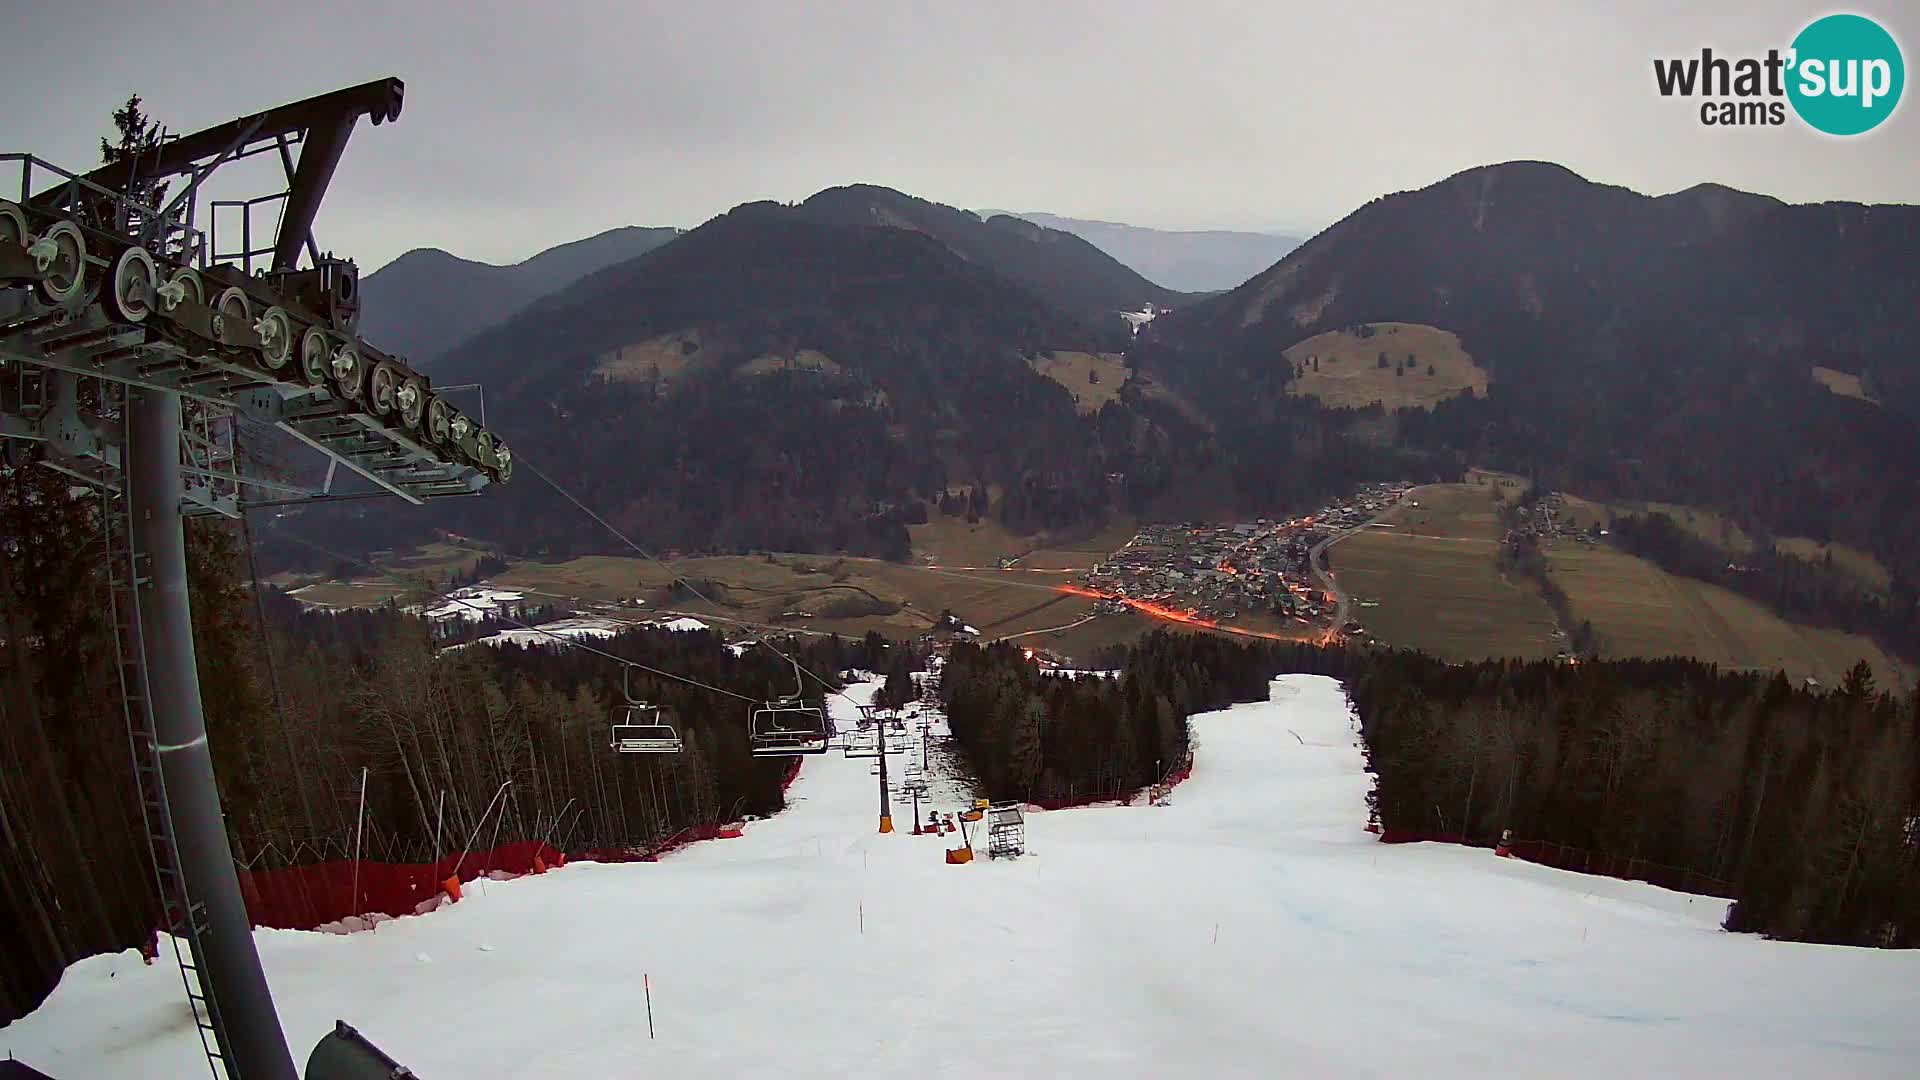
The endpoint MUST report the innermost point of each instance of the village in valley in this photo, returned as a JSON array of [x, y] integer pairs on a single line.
[[1220, 573]]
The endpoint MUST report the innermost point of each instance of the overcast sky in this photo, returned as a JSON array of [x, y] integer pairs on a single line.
[[530, 124]]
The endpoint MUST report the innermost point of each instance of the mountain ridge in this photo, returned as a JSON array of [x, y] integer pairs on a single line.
[[1187, 260], [427, 301]]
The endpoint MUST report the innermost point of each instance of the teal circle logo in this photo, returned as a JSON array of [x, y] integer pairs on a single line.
[[1846, 74]]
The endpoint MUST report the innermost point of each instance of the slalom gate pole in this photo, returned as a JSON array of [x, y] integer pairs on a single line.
[[646, 983]]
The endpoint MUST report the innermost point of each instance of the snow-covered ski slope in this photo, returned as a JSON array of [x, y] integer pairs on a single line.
[[1250, 929]]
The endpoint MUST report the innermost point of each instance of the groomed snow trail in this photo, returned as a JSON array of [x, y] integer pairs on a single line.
[[813, 946]]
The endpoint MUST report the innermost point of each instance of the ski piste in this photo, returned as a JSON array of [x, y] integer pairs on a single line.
[[1249, 928]]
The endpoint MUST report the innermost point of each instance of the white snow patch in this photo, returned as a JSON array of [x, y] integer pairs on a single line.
[[544, 633], [1138, 319], [680, 625], [1250, 930], [474, 603]]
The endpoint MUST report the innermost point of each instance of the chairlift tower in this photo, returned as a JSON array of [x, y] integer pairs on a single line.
[[131, 345]]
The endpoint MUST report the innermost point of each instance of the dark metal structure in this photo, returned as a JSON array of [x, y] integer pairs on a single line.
[[345, 1054], [1006, 831], [131, 349]]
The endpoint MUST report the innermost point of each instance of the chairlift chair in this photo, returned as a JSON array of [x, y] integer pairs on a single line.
[[640, 728], [788, 726]]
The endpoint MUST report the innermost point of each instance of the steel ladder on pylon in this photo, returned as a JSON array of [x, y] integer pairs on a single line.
[[127, 573]]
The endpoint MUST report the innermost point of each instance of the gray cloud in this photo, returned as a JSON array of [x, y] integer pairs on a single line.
[[527, 125]]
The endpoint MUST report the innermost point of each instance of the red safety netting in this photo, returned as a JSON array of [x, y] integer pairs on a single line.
[[305, 897]]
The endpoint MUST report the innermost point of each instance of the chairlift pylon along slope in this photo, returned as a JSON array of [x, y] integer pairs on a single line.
[[788, 726], [641, 728], [876, 736]]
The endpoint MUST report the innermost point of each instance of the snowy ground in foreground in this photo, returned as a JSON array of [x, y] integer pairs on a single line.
[[814, 947]]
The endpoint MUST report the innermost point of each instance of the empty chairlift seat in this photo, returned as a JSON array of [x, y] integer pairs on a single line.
[[645, 729], [640, 728], [787, 728]]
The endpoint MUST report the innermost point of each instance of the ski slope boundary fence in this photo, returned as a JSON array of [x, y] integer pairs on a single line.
[[1583, 861], [315, 894]]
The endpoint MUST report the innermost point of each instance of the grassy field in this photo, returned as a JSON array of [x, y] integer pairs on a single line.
[[1842, 384], [953, 542], [1077, 371], [1082, 641], [1446, 511], [1436, 589], [1350, 373], [804, 360], [1442, 597], [1081, 554], [1727, 535], [1859, 565], [1640, 610], [1430, 583], [660, 358]]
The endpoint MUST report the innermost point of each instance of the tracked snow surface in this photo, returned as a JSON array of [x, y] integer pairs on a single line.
[[1250, 929]]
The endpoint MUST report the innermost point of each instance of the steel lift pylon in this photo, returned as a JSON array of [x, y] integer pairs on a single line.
[[131, 348]]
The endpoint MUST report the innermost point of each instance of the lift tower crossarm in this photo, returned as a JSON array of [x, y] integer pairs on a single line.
[[323, 122]]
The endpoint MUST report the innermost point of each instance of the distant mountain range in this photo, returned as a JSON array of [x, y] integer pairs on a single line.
[[427, 301], [805, 376], [1199, 262]]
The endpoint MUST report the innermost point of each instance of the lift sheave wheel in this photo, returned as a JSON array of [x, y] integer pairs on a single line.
[[134, 274], [349, 372], [276, 338], [184, 287], [439, 422], [460, 436], [411, 398], [13, 226], [61, 254], [383, 388], [316, 355], [231, 310]]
